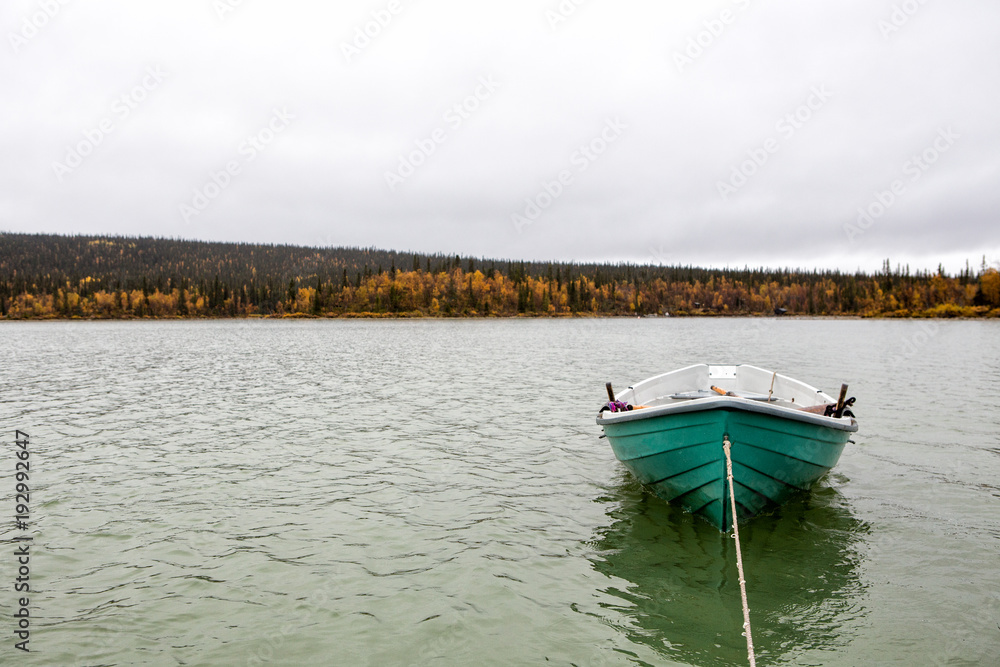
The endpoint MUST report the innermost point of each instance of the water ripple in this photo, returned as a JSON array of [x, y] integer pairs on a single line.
[[435, 492]]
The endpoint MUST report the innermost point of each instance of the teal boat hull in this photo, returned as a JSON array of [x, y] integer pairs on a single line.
[[680, 457]]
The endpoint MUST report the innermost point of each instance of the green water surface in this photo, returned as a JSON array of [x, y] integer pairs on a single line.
[[435, 493]]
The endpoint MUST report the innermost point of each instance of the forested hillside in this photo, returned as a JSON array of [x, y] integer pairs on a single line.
[[50, 276]]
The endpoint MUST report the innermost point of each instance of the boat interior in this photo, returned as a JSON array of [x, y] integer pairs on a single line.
[[706, 381]]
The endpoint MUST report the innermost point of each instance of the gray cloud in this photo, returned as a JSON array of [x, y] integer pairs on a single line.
[[698, 90]]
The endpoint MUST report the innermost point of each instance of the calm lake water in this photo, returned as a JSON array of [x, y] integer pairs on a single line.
[[435, 493]]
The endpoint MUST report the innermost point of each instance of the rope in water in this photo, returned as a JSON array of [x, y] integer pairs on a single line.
[[739, 554]]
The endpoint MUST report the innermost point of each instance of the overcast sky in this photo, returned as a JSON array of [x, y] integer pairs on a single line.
[[712, 133]]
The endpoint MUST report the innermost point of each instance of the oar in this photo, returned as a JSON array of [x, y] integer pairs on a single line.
[[838, 407], [611, 398], [839, 411], [818, 409]]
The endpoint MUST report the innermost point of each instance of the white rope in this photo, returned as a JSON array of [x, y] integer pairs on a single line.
[[739, 555]]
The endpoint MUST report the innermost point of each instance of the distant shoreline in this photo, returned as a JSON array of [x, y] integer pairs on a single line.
[[574, 316], [80, 277]]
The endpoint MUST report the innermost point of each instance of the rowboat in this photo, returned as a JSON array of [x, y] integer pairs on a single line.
[[670, 431]]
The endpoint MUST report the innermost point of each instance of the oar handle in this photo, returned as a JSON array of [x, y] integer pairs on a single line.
[[839, 410], [717, 390], [611, 392]]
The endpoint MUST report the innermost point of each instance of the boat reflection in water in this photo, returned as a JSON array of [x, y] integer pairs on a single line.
[[675, 575]]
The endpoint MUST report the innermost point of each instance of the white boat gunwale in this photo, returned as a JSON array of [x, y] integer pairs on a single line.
[[656, 392], [730, 403]]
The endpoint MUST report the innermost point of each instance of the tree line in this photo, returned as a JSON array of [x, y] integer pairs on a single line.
[[51, 276]]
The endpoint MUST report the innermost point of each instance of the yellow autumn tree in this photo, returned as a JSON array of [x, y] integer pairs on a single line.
[[989, 284]]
